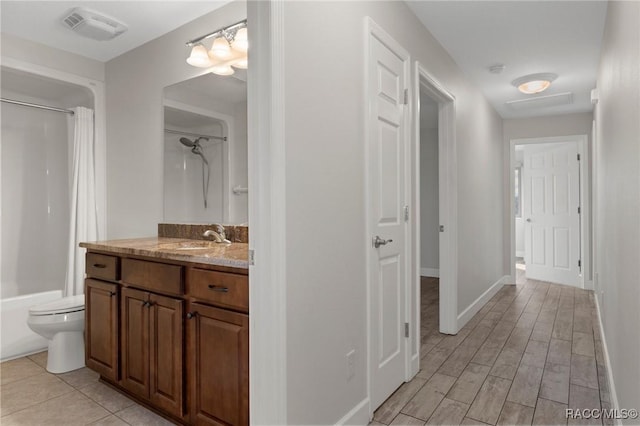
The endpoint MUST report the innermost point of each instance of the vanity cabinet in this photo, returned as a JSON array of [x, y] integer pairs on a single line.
[[219, 365], [152, 348], [101, 327], [173, 335]]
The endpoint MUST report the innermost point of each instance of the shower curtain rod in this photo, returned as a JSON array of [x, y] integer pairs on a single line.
[[195, 135], [28, 104]]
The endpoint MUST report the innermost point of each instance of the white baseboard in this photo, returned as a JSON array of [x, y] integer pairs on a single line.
[[359, 415], [613, 396], [473, 309], [430, 272], [519, 253]]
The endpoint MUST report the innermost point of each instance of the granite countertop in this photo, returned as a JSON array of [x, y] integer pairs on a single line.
[[235, 255]]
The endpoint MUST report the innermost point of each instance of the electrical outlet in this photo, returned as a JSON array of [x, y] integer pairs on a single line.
[[351, 364]]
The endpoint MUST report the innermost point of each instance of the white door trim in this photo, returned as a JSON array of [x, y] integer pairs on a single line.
[[585, 204], [371, 28], [448, 200], [267, 214]]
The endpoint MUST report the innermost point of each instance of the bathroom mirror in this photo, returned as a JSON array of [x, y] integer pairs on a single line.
[[205, 150]]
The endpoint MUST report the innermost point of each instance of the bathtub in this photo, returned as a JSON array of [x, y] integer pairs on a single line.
[[17, 338]]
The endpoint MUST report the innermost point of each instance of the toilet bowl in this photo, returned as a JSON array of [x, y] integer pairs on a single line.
[[62, 323]]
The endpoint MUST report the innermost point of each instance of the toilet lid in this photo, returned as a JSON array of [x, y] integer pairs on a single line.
[[66, 304]]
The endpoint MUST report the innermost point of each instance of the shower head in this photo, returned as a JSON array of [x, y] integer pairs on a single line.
[[188, 142], [192, 144]]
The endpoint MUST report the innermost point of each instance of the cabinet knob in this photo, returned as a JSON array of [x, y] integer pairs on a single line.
[[112, 293], [191, 315]]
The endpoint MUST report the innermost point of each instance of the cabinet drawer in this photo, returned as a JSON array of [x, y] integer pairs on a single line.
[[101, 266], [219, 288], [159, 277]]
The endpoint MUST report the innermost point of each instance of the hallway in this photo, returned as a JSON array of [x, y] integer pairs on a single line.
[[530, 353]]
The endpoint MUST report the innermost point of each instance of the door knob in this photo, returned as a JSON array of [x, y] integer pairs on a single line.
[[377, 241], [529, 219]]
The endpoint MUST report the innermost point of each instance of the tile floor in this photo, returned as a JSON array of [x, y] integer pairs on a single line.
[[29, 395], [531, 352]]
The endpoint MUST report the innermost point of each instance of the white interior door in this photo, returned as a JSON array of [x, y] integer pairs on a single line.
[[387, 83], [551, 212]]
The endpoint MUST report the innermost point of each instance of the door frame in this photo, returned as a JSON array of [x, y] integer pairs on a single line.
[[266, 146], [447, 200], [582, 142], [372, 29]]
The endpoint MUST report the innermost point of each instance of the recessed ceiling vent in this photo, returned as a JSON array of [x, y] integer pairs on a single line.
[[94, 25], [541, 101]]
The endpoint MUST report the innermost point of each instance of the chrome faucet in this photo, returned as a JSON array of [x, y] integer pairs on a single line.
[[218, 235]]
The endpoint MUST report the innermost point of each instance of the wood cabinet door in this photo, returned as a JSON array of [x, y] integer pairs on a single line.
[[218, 345], [134, 311], [166, 348], [101, 328]]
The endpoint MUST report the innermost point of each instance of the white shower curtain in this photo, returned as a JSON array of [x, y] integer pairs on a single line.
[[84, 218]]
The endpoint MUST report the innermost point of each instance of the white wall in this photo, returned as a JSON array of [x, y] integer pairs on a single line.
[[538, 127], [429, 203], [35, 197], [134, 84], [617, 193], [183, 181], [325, 228], [39, 54]]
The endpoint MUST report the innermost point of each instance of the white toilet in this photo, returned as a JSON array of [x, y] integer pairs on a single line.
[[62, 323]]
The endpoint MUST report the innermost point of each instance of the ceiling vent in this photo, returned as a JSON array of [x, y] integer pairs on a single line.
[[94, 25], [541, 101]]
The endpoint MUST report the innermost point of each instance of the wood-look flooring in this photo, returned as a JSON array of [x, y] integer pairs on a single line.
[[530, 353]]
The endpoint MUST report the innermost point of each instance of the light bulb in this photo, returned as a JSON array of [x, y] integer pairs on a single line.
[[222, 70], [534, 83], [242, 63], [220, 48], [199, 57], [241, 40], [535, 86]]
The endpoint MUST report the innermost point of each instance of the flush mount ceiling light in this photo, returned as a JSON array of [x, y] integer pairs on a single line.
[[228, 51], [534, 83]]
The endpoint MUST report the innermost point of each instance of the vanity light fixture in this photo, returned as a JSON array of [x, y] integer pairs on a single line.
[[228, 51], [534, 83]]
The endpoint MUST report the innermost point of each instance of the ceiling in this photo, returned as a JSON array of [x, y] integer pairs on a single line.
[[41, 21], [561, 37]]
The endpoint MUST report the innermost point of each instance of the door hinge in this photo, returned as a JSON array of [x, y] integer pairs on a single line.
[[578, 157], [441, 228], [578, 210], [406, 329], [406, 97], [406, 213], [579, 263], [252, 257]]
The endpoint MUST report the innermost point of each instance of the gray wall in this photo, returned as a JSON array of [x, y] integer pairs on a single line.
[[617, 193], [325, 235]]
